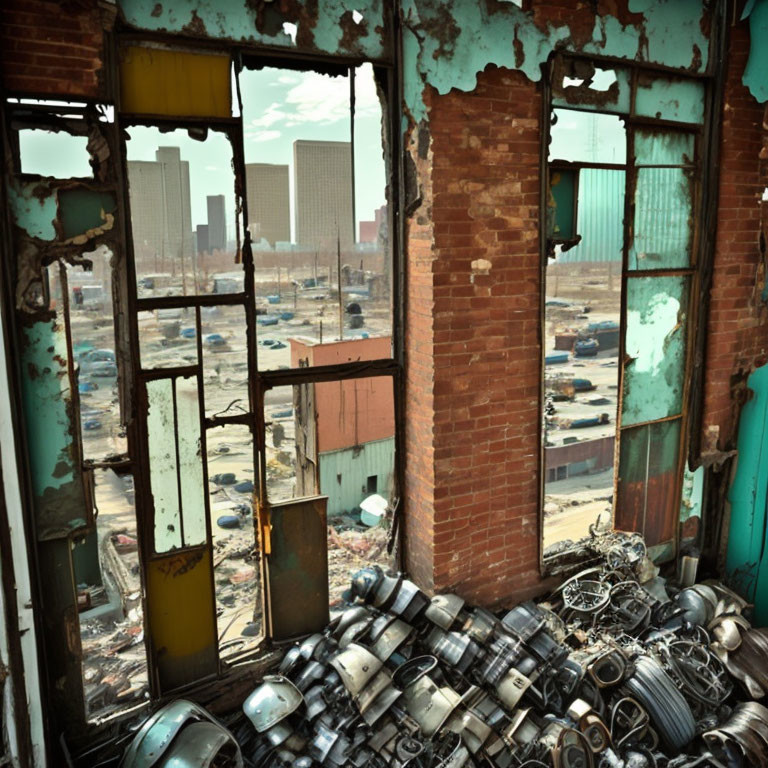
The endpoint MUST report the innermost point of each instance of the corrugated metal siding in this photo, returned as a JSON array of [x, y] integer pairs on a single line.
[[344, 474], [601, 216]]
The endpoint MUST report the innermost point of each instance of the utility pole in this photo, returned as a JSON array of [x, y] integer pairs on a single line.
[[338, 275]]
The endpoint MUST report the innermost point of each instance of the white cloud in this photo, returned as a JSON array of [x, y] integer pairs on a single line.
[[272, 114], [320, 99], [259, 136], [211, 168]]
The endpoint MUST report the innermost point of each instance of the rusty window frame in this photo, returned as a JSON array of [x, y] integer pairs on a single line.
[[704, 191], [260, 382]]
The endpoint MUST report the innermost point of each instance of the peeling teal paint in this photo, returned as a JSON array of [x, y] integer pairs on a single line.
[[47, 399], [447, 46], [33, 212], [746, 566], [671, 99], [756, 72], [655, 346], [237, 20]]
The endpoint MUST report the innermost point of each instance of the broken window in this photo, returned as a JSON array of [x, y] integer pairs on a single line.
[[337, 439], [316, 201], [57, 154], [108, 577], [211, 291], [183, 212], [582, 314], [629, 180]]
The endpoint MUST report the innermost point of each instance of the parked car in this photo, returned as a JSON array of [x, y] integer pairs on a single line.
[[215, 340]]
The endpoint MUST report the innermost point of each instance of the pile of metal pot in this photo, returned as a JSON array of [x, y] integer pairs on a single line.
[[614, 670]]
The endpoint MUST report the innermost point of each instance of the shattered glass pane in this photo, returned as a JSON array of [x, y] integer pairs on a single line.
[[161, 429], [190, 462], [663, 147], [663, 219], [167, 338], [670, 99], [183, 213], [646, 499], [655, 349]]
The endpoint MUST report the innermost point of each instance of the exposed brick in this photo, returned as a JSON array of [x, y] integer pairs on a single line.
[[51, 49], [483, 373], [738, 321]]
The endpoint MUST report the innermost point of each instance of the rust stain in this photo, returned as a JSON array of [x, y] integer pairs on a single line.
[[180, 564], [517, 44], [352, 31], [620, 9], [157, 10], [195, 26]]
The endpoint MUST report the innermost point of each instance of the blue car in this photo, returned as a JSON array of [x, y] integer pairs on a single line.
[[215, 340]]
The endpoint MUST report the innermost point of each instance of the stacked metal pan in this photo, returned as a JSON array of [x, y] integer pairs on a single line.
[[609, 672]]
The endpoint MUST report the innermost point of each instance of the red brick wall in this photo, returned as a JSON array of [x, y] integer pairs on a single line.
[[479, 504], [738, 321], [53, 49], [419, 488]]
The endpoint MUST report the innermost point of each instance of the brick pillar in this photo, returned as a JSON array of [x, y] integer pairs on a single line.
[[473, 361], [737, 338]]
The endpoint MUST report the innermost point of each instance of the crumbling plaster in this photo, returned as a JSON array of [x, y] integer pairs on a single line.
[[324, 26], [445, 46]]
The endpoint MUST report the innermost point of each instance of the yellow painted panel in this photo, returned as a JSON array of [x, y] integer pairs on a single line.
[[182, 618], [155, 81]]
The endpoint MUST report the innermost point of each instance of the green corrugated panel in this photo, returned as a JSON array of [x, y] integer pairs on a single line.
[[344, 474], [600, 217]]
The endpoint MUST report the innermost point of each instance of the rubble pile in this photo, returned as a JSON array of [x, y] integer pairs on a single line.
[[616, 669]]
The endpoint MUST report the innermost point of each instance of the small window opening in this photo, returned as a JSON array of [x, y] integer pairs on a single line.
[[55, 154]]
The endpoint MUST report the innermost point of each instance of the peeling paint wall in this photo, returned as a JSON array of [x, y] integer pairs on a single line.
[[54, 453], [332, 27], [445, 46]]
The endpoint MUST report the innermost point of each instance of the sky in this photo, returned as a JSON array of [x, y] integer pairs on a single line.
[[280, 106]]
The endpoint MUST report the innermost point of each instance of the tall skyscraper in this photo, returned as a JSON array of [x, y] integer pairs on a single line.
[[217, 223], [161, 214], [323, 193], [202, 238], [267, 190]]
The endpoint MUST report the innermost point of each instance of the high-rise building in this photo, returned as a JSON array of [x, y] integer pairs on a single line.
[[161, 214], [202, 238], [323, 193], [217, 223], [267, 190]]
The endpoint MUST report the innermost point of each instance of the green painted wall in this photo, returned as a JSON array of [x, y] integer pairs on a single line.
[[355, 466], [746, 564]]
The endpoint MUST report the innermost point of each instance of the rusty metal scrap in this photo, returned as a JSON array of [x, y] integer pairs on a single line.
[[615, 669]]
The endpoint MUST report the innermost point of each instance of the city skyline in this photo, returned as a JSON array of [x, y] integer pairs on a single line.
[[280, 107]]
